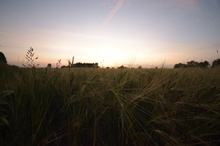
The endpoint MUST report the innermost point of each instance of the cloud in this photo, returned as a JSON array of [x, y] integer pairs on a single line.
[[119, 4]]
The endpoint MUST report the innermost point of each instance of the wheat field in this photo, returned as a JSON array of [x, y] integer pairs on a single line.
[[109, 107]]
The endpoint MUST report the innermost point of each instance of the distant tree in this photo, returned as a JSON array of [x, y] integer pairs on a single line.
[[177, 65], [180, 65], [140, 67], [96, 65], [49, 65], [192, 64], [121, 67], [216, 63], [2, 58], [204, 64]]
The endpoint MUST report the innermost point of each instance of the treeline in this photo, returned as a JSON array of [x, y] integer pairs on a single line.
[[30, 62], [82, 65], [194, 64]]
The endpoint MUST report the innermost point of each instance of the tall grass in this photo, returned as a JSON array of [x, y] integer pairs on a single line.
[[110, 107]]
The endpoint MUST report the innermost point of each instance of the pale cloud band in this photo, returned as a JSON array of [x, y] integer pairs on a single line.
[[119, 4]]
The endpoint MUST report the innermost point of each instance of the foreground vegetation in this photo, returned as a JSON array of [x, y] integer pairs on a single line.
[[152, 107]]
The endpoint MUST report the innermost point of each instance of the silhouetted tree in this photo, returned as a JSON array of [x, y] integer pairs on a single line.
[[204, 64], [216, 63], [96, 65], [121, 67], [49, 65], [85, 65], [180, 65], [2, 58], [140, 67], [192, 63]]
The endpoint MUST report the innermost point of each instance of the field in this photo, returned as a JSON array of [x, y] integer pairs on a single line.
[[109, 107]]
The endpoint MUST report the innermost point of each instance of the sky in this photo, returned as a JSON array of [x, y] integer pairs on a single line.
[[112, 33]]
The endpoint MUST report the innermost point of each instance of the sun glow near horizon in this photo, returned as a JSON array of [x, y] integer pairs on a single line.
[[107, 50], [111, 32]]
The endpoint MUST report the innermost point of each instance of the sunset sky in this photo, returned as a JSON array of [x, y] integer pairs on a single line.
[[111, 32]]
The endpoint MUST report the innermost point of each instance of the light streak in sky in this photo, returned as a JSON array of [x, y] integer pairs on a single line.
[[119, 4]]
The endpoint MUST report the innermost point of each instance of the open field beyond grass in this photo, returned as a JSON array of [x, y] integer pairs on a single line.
[[109, 107]]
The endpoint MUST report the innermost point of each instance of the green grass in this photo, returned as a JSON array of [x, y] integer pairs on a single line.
[[109, 107]]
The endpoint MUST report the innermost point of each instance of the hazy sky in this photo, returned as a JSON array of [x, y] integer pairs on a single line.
[[111, 32]]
